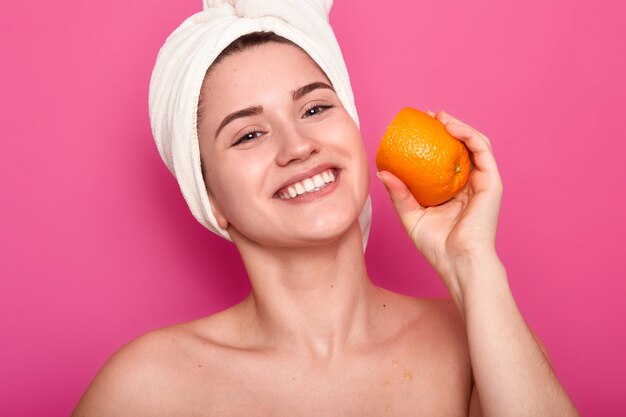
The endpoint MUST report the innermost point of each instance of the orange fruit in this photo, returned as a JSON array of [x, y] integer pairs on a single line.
[[417, 149]]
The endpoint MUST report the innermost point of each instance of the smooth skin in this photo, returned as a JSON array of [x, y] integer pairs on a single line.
[[315, 337]]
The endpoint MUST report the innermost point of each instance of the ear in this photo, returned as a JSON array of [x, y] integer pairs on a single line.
[[217, 211]]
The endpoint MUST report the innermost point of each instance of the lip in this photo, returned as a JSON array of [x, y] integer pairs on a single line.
[[314, 195], [306, 174]]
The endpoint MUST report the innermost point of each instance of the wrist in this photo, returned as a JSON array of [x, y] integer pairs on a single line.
[[475, 274]]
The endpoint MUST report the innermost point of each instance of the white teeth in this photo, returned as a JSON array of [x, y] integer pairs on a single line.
[[318, 181], [307, 185]]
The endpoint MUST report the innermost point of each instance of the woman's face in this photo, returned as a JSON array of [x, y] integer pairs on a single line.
[[272, 127]]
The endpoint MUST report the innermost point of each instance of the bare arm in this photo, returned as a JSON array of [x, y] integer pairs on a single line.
[[512, 373], [513, 376]]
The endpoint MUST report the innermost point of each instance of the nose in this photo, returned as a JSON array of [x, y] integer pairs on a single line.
[[295, 145]]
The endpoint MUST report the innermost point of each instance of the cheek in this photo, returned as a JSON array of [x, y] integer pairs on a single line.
[[346, 136], [229, 186], [235, 184], [343, 133]]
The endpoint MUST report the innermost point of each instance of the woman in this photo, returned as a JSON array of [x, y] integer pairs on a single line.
[[285, 176]]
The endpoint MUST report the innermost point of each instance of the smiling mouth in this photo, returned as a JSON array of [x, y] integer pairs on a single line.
[[308, 185]]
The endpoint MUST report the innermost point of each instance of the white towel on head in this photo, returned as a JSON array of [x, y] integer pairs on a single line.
[[189, 51]]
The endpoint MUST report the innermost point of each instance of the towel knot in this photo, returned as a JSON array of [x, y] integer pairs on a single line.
[[283, 9]]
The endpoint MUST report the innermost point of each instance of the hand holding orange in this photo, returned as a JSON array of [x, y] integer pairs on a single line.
[[418, 150]]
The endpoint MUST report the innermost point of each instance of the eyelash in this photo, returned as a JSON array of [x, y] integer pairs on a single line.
[[254, 134], [323, 108], [246, 137]]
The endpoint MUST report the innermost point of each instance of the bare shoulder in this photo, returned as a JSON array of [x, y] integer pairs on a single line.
[[434, 326], [129, 379], [434, 313], [143, 377], [442, 313], [430, 352], [446, 323]]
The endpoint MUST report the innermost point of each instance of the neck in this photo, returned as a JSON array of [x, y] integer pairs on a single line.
[[316, 299]]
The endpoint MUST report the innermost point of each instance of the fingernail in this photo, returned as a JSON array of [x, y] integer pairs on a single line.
[[381, 178]]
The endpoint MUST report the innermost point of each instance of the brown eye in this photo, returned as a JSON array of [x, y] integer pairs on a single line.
[[250, 136], [317, 109]]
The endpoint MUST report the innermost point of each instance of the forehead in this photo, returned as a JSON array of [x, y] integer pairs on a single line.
[[264, 72]]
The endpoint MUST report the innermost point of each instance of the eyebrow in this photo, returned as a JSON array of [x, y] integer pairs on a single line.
[[250, 111], [254, 110], [302, 91]]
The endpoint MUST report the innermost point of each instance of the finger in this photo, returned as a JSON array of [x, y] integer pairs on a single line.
[[444, 118], [481, 151], [430, 113], [401, 198], [449, 118]]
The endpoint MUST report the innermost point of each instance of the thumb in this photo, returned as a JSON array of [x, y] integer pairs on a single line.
[[403, 201]]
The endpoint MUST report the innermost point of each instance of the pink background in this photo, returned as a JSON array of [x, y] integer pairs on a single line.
[[97, 245]]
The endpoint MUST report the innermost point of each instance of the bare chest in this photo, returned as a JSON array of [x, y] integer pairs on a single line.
[[390, 386]]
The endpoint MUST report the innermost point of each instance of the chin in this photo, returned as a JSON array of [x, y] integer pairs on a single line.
[[327, 231]]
